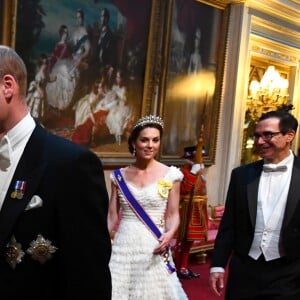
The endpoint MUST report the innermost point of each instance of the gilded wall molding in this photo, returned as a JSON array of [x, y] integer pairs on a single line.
[[8, 23], [221, 3], [155, 41], [275, 30], [287, 11], [266, 49]]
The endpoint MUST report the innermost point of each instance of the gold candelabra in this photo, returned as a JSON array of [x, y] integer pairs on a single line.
[[268, 94]]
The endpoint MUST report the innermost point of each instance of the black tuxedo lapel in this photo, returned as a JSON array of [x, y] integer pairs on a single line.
[[294, 192], [293, 195], [252, 189], [30, 169]]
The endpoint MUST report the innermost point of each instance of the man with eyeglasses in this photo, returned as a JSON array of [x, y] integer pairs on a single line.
[[259, 234]]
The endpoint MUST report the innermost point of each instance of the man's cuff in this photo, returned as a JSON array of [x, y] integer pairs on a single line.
[[217, 269]]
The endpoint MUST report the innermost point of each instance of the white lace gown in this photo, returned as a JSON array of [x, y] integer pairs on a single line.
[[60, 92], [137, 273]]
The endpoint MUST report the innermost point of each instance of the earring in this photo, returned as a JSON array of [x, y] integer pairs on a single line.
[[134, 152]]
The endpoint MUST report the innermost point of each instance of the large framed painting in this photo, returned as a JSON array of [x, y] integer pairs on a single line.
[[87, 61], [192, 82]]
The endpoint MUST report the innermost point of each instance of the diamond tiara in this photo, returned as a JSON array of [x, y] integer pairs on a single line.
[[149, 120]]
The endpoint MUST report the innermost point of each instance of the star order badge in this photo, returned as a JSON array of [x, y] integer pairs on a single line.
[[41, 249], [14, 252]]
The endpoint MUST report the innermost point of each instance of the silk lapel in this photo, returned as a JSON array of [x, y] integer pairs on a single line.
[[252, 189], [294, 192], [30, 169]]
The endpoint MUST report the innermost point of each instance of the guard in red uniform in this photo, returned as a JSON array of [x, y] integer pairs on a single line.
[[193, 201]]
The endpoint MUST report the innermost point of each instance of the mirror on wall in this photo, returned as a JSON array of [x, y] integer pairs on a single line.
[[268, 89]]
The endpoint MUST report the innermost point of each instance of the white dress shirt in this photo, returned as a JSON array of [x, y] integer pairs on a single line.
[[18, 137], [272, 196]]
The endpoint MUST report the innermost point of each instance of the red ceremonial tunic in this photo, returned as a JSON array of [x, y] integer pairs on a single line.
[[193, 210]]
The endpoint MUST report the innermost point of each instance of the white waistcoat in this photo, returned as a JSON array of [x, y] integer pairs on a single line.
[[272, 197], [267, 236]]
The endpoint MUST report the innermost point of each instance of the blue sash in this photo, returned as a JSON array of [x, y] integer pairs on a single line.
[[79, 43], [142, 215]]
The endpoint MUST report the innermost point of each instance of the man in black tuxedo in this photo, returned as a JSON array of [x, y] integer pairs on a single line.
[[260, 228], [54, 241]]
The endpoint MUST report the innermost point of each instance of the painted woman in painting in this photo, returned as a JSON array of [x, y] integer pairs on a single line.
[[62, 66], [84, 114], [120, 114], [81, 51], [36, 95], [195, 61], [61, 49], [192, 104]]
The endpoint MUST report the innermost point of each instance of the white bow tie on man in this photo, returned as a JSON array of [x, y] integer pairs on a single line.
[[5, 153], [268, 169]]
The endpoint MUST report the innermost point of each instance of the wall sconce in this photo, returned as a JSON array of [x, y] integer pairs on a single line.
[[268, 94]]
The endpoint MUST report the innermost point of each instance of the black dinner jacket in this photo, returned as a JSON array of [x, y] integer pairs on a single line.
[[70, 181], [237, 227]]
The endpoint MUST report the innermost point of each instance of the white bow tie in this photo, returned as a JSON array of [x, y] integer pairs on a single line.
[[5, 152], [268, 169]]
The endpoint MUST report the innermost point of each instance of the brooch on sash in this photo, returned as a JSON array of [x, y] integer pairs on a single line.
[[41, 249], [18, 190], [14, 252], [164, 187]]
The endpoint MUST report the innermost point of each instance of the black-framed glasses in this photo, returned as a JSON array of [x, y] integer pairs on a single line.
[[266, 135]]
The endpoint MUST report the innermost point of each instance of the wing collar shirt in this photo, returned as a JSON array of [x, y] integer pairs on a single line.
[[15, 140], [272, 196]]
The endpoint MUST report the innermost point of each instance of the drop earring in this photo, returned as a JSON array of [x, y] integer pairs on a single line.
[[134, 152]]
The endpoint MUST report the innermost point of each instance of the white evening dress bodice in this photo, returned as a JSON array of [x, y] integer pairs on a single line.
[[137, 273]]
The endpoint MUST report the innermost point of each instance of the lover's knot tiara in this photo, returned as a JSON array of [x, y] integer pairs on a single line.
[[148, 120]]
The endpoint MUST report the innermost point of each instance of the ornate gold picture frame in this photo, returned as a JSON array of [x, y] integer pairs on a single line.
[[45, 33], [192, 82], [153, 26]]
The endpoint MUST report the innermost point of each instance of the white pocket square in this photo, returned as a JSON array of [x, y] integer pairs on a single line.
[[35, 202]]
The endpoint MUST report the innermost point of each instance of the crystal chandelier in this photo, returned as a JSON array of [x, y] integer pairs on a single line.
[[268, 94]]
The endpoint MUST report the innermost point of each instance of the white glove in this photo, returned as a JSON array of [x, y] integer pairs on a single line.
[[195, 168]]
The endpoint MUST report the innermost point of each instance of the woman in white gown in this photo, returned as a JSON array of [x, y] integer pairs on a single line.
[[63, 68], [36, 95], [85, 118], [120, 114], [138, 269]]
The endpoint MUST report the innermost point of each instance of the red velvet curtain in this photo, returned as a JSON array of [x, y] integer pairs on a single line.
[[138, 14], [188, 14]]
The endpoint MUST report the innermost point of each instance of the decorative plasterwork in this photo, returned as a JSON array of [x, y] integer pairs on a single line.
[[287, 10], [275, 30], [270, 50]]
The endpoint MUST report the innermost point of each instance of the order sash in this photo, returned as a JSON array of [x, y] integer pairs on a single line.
[[142, 215]]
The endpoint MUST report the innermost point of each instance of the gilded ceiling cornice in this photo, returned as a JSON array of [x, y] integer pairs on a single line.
[[285, 58], [286, 10]]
